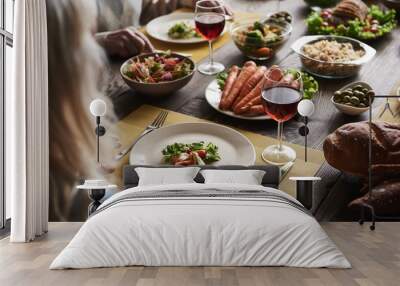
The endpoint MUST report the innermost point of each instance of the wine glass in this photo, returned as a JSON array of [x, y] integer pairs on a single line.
[[210, 22], [283, 90], [278, 6]]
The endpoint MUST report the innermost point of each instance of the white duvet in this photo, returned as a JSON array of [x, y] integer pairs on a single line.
[[200, 231]]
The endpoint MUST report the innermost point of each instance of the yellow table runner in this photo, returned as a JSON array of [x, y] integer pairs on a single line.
[[132, 125], [198, 51]]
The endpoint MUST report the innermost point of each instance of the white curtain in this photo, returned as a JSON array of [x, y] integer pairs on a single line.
[[27, 140]]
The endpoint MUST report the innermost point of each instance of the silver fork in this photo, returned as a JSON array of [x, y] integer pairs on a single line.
[[157, 123]]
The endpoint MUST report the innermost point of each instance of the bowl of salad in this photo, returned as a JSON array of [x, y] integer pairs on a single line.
[[372, 23], [260, 40], [157, 74]]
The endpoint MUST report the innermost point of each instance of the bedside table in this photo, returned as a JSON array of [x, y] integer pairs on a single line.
[[96, 191], [304, 189]]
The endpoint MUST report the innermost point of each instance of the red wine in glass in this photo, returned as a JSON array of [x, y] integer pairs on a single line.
[[210, 25], [280, 102]]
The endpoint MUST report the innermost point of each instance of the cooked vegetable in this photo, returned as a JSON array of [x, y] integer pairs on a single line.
[[310, 85], [377, 23], [198, 153], [259, 39], [182, 30], [158, 68], [221, 79]]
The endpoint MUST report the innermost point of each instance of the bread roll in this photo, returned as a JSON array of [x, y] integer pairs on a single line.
[[385, 198], [346, 149], [351, 9]]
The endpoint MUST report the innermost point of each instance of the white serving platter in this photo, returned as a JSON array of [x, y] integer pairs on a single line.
[[213, 97]]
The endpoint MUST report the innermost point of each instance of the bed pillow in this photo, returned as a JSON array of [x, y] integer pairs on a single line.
[[247, 177], [166, 176]]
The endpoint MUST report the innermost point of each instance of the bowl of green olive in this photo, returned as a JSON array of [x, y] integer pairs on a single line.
[[354, 98]]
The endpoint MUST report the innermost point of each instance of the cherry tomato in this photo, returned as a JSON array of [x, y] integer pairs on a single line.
[[202, 153], [264, 52], [170, 62]]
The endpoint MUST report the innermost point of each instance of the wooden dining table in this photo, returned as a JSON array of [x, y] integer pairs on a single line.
[[335, 190]]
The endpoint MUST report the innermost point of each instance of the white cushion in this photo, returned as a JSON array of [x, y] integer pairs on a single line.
[[166, 176], [246, 177]]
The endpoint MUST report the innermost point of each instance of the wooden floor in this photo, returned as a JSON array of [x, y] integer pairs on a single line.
[[375, 257]]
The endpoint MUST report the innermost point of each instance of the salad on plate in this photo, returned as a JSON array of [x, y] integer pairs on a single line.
[[197, 153], [183, 30]]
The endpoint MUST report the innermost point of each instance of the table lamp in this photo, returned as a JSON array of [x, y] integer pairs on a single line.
[[98, 109]]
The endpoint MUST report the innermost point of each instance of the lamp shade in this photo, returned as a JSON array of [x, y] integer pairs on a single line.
[[98, 107], [306, 108]]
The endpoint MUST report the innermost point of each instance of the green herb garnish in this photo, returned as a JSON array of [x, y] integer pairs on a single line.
[[182, 30], [310, 85], [221, 78]]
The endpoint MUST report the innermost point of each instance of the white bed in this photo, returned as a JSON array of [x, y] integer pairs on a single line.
[[248, 226]]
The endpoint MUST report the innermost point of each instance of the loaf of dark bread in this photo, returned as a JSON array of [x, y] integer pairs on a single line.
[[346, 149], [351, 9], [385, 198]]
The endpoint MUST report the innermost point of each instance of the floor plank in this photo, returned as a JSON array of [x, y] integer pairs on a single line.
[[374, 255]]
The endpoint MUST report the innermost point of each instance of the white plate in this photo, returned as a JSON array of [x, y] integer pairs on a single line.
[[158, 28], [233, 147], [213, 97]]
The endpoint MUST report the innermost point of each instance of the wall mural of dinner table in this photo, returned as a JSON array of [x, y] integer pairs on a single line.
[[242, 65]]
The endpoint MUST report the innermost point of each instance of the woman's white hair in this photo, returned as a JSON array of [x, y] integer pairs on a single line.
[[76, 62]]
